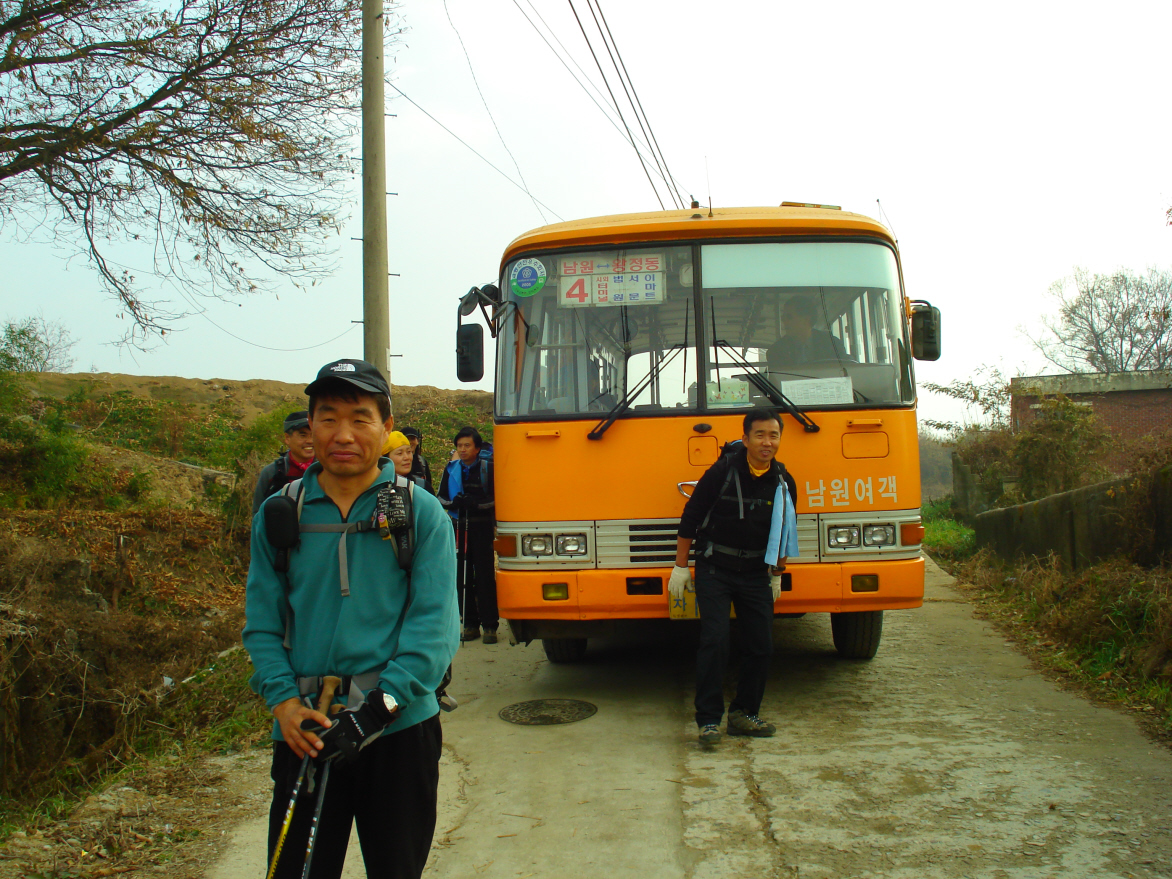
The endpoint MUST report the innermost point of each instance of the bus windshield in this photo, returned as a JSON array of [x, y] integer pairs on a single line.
[[582, 330]]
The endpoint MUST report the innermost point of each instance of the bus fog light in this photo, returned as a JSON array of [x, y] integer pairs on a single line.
[[864, 582], [571, 544], [843, 535], [537, 544], [555, 591], [878, 535]]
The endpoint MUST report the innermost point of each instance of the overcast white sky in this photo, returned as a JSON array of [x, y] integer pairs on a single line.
[[1008, 143]]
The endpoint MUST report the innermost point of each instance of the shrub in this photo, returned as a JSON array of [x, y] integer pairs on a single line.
[[1062, 449]]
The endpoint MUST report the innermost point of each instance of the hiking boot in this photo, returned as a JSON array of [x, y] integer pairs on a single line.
[[709, 734], [741, 724], [489, 636], [470, 634]]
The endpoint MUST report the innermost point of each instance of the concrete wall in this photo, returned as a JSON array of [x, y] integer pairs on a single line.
[[1081, 527]]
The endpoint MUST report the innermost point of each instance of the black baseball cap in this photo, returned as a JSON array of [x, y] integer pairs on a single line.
[[296, 421], [411, 431], [364, 376]]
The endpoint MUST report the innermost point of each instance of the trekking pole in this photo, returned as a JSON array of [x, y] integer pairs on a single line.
[[330, 685], [321, 798], [462, 535]]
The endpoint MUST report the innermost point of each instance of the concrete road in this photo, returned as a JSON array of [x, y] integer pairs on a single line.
[[948, 755]]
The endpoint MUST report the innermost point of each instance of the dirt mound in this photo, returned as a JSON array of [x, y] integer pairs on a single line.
[[250, 398], [101, 611]]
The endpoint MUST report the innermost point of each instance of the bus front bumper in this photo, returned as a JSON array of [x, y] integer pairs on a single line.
[[630, 594]]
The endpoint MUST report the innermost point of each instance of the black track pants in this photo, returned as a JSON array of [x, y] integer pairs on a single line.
[[389, 792], [476, 575], [716, 588]]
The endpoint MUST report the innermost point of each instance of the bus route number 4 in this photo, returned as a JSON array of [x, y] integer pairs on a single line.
[[578, 291]]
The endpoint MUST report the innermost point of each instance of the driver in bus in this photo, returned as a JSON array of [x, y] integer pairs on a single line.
[[801, 342]]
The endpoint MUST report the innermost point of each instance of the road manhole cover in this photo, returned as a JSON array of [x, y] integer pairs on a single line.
[[546, 712]]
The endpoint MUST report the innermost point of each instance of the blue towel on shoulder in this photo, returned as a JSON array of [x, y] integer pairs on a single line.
[[783, 529]]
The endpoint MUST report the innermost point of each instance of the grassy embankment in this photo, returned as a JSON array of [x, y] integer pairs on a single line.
[[1107, 628], [121, 592]]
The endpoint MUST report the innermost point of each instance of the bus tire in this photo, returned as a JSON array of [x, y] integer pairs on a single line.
[[857, 634], [564, 649]]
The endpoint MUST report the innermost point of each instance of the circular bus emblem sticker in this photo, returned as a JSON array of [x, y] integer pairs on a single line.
[[527, 277]]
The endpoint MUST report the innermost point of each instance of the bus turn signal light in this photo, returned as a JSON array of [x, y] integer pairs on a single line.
[[911, 533], [864, 582], [555, 591], [506, 545]]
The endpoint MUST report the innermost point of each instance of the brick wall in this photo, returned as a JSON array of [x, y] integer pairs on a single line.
[[1125, 413]]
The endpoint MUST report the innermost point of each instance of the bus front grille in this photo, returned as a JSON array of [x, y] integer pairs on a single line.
[[651, 543]]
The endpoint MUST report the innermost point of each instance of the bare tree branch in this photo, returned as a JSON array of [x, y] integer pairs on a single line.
[[1120, 322], [221, 128]]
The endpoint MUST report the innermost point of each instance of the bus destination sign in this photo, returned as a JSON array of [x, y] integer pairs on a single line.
[[610, 279]]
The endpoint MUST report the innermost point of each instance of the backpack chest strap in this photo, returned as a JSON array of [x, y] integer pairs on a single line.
[[342, 530]]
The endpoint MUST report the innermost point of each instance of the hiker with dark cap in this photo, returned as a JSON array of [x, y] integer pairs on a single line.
[[419, 468], [741, 516], [335, 601], [467, 493], [291, 464]]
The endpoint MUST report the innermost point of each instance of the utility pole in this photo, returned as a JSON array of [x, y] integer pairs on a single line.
[[376, 332]]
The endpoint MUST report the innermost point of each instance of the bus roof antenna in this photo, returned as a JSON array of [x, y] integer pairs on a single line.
[[708, 178], [883, 216]]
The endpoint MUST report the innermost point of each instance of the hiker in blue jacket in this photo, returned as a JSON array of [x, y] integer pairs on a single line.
[[345, 607], [467, 491]]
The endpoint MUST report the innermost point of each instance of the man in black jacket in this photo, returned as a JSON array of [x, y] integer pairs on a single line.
[[467, 493], [291, 464], [730, 515], [419, 468]]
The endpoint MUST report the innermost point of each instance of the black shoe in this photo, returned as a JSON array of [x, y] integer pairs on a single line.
[[470, 634], [489, 636]]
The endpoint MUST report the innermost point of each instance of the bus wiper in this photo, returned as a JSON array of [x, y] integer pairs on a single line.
[[628, 398], [768, 388]]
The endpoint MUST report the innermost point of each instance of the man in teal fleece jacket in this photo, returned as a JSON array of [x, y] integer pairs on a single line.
[[394, 636]]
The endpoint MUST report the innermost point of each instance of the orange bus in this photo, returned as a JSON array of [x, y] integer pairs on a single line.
[[628, 349]]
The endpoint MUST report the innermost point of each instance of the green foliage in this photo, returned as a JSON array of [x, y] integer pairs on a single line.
[[989, 453], [13, 395], [35, 345], [1061, 449], [988, 393], [946, 538], [45, 465]]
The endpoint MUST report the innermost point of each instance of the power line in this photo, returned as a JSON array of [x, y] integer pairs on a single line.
[[627, 92], [649, 132], [630, 137], [478, 155], [562, 61], [476, 82], [266, 347]]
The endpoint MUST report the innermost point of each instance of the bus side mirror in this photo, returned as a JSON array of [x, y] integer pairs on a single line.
[[470, 352], [925, 331]]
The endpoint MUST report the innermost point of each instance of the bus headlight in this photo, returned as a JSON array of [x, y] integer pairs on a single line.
[[842, 535], [878, 535], [571, 544], [537, 544]]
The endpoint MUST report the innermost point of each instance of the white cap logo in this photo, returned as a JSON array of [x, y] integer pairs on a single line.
[[343, 367]]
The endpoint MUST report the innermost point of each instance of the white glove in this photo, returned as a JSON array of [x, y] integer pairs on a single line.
[[775, 585], [679, 583]]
